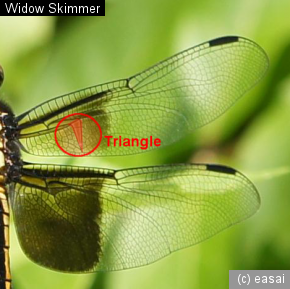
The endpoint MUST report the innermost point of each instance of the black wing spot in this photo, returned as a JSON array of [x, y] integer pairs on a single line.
[[221, 169], [223, 40]]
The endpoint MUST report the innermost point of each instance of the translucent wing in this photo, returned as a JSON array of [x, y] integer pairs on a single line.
[[166, 101], [91, 219]]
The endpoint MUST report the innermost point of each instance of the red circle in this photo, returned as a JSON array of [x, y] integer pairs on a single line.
[[78, 113]]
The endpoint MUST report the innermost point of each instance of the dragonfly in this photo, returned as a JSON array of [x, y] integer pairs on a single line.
[[86, 219]]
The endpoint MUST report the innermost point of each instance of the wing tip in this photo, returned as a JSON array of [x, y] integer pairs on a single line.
[[223, 40], [221, 169]]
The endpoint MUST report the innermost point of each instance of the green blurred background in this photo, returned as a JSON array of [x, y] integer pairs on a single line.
[[48, 56]]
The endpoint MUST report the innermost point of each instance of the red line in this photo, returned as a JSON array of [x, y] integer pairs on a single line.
[[77, 126]]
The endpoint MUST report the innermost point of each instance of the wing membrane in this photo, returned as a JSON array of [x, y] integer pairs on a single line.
[[166, 101], [91, 219]]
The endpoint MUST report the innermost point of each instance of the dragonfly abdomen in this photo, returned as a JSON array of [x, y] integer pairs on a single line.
[[5, 275]]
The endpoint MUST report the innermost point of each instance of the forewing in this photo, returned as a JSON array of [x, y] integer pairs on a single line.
[[166, 101], [91, 219]]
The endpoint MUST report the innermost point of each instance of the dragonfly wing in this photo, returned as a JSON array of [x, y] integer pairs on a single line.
[[90, 219], [166, 101]]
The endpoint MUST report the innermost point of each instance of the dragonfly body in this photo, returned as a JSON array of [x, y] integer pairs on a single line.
[[5, 275], [79, 219]]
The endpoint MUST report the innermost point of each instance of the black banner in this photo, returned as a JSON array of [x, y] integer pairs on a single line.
[[53, 8]]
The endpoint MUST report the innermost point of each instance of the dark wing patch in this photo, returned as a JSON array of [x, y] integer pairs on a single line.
[[57, 210]]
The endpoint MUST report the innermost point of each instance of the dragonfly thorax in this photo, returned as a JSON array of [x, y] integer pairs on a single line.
[[10, 150]]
